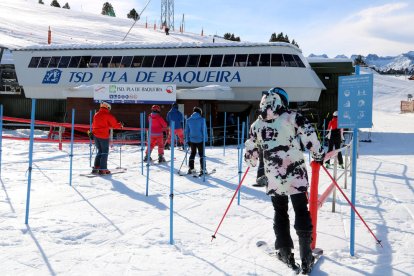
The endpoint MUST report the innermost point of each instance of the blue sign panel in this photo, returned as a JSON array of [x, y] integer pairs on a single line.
[[355, 101]]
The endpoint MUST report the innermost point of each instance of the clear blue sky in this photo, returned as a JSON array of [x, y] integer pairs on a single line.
[[331, 27]]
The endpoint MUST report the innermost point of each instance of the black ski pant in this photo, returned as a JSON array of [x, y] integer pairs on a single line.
[[101, 159], [335, 142], [194, 148], [281, 223]]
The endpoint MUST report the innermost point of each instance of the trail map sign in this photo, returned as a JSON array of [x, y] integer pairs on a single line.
[[355, 101], [135, 94]]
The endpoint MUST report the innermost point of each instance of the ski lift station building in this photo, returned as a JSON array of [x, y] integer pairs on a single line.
[[218, 77]]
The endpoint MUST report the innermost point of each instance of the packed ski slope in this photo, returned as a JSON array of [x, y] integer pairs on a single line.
[[107, 226], [24, 23]]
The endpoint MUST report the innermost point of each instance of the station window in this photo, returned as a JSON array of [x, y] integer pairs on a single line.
[[241, 61], [44, 62], [253, 60], [159, 61], [290, 62], [105, 62], [277, 60], [84, 61], [94, 62], [228, 60], [126, 61], [137, 61], [204, 61], [193, 60], [181, 61], [148, 61], [115, 62], [74, 62], [298, 61], [264, 60], [216, 60], [64, 62], [170, 61], [34, 62], [54, 61]]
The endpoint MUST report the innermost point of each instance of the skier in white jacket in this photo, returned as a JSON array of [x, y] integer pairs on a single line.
[[279, 132]]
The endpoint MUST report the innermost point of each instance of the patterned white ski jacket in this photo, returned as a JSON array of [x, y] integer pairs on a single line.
[[280, 137]]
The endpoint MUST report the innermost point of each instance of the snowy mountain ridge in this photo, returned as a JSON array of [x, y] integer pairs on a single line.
[[403, 63]]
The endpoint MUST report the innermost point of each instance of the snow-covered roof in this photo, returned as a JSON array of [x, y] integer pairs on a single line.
[[327, 60], [146, 45]]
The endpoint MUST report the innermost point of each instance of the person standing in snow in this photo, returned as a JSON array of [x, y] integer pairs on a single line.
[[277, 132], [103, 120], [174, 115], [335, 136], [157, 126], [195, 135]]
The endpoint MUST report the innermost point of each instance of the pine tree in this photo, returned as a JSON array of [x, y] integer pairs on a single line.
[[66, 6], [107, 9], [232, 37], [359, 60], [55, 3], [282, 38], [133, 14], [41, 2]]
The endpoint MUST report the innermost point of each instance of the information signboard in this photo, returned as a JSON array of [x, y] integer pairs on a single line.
[[135, 93], [355, 101]]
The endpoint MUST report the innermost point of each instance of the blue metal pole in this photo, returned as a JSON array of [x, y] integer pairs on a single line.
[[141, 124], [148, 153], [204, 149], [90, 140], [224, 141], [353, 186], [211, 134], [240, 163], [1, 133], [238, 138], [72, 134], [29, 178], [172, 128], [185, 142]]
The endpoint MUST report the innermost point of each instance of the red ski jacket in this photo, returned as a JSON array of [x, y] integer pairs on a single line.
[[157, 125], [333, 124], [102, 122]]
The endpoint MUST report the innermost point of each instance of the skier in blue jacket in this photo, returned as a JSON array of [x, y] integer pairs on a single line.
[[174, 115], [195, 135]]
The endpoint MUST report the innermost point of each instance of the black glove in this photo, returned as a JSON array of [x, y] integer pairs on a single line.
[[90, 134], [318, 157]]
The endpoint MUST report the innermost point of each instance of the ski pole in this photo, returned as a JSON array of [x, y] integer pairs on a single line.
[[186, 152], [352, 206], [228, 207]]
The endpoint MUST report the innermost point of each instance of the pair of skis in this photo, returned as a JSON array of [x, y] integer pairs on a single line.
[[114, 171], [196, 174], [268, 250]]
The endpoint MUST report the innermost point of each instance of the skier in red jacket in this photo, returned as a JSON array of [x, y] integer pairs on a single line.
[[102, 122], [335, 136], [158, 125]]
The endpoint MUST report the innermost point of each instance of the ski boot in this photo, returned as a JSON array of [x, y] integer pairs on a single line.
[[167, 147], [105, 171], [308, 260], [285, 255], [95, 170], [191, 171], [146, 159], [341, 166], [161, 158]]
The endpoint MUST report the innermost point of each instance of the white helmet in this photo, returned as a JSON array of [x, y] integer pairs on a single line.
[[106, 105], [335, 114]]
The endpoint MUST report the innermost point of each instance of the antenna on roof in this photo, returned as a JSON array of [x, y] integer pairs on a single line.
[[135, 21]]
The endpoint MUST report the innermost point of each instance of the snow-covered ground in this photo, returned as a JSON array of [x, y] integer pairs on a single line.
[[107, 226]]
